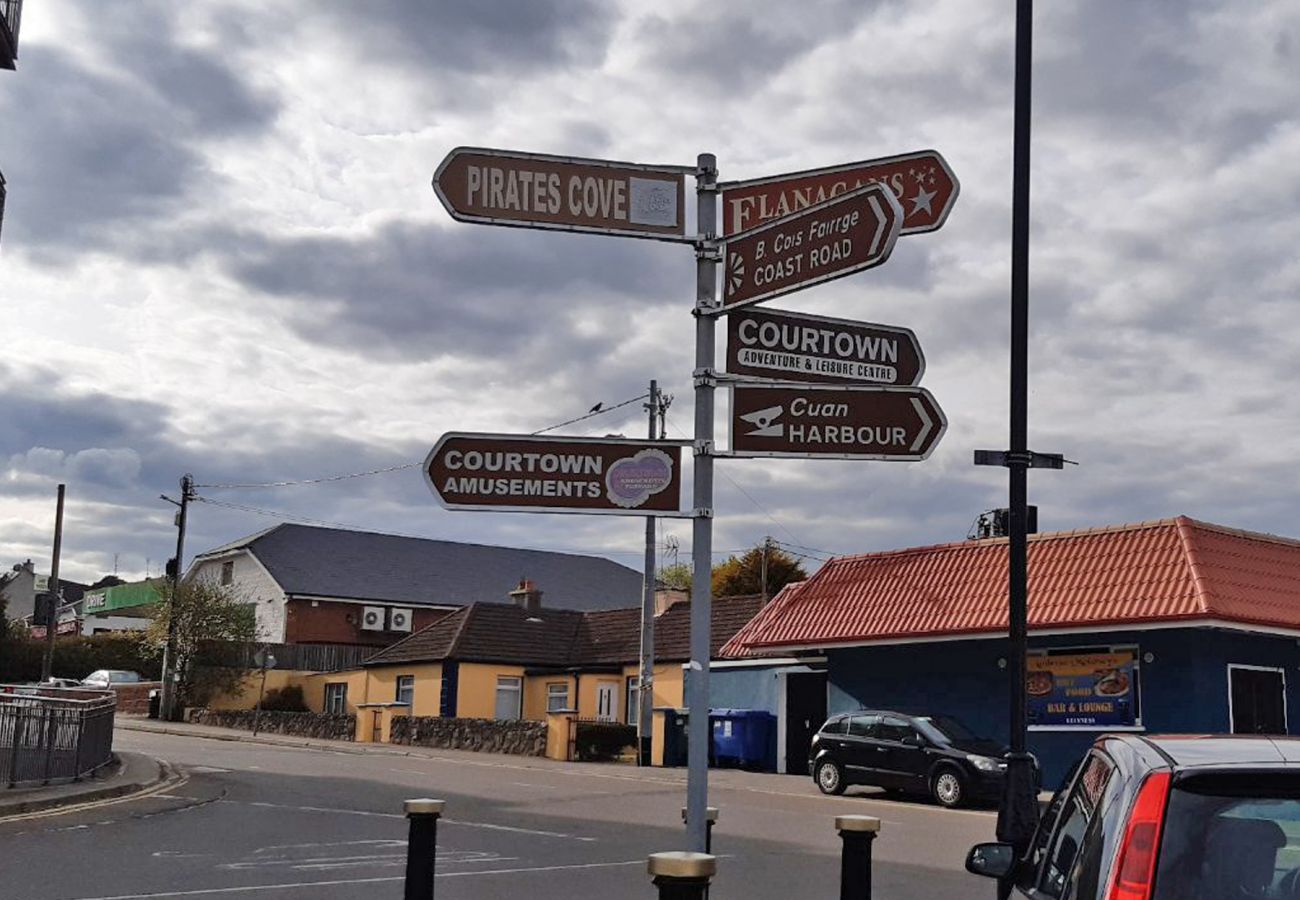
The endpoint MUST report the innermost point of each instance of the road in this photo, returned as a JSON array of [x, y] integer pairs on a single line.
[[263, 822]]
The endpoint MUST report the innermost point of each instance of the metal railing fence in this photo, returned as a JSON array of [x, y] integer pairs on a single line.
[[45, 737]]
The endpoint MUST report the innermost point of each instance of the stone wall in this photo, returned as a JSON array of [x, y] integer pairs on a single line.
[[312, 725], [484, 735]]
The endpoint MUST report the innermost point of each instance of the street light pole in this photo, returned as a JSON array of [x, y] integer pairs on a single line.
[[168, 698], [52, 624]]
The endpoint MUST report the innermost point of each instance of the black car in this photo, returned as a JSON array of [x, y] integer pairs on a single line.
[[1165, 818], [934, 755]]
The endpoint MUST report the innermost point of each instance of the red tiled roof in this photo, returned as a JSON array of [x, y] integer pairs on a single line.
[[1164, 571]]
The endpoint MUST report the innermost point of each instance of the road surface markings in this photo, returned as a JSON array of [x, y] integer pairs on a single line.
[[379, 815], [253, 888]]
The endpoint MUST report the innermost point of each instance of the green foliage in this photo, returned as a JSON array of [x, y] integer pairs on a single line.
[[204, 611], [602, 741], [77, 657], [676, 577], [744, 575], [286, 699]]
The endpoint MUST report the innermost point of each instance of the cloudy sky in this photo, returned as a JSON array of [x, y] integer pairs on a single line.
[[221, 255]]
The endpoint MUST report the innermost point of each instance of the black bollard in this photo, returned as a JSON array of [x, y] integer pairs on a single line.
[[681, 875], [710, 819], [858, 833], [421, 847]]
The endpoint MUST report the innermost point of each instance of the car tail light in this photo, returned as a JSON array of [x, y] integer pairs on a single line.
[[1135, 866]]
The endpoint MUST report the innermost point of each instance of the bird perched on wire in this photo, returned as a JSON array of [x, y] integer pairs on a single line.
[[596, 408]]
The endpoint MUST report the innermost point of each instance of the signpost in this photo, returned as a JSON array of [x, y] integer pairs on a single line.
[[534, 190], [844, 235], [777, 345], [797, 420], [922, 182], [536, 473]]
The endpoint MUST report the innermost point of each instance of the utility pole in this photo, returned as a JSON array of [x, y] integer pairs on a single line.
[[168, 698], [52, 624], [767, 545], [645, 680]]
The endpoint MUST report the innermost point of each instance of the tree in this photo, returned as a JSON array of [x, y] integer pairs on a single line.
[[205, 612], [676, 577], [744, 574]]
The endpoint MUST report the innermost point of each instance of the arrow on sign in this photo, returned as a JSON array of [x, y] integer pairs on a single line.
[[846, 234]]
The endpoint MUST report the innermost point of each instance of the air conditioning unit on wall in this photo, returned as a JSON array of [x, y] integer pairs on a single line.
[[399, 619], [372, 618]]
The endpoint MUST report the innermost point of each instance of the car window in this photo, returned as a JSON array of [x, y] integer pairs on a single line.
[[1231, 836], [834, 726], [1074, 817], [893, 729], [862, 726]]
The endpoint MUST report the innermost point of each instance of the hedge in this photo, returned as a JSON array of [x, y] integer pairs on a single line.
[[77, 657]]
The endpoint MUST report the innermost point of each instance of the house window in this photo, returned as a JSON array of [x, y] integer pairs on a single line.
[[336, 698], [405, 689], [509, 692], [633, 699], [228, 572], [557, 696]]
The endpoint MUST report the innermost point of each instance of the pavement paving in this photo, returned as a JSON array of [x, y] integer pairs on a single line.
[[129, 773]]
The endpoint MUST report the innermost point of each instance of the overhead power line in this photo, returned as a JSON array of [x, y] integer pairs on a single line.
[[593, 413]]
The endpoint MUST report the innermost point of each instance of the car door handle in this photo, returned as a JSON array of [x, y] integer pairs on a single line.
[[882, 749]]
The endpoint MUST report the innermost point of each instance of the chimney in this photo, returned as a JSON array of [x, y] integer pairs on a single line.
[[527, 596]]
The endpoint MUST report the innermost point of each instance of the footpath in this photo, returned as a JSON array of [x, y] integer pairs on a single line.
[[128, 773]]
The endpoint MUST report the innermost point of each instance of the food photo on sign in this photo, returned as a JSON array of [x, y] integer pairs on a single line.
[[1073, 688]]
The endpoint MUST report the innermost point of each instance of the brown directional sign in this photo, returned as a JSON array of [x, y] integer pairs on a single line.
[[922, 182], [533, 190], [796, 420], [852, 232], [535, 473], [786, 346]]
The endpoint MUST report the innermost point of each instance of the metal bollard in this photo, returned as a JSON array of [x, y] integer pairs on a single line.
[[858, 833], [421, 847], [710, 819], [681, 875]]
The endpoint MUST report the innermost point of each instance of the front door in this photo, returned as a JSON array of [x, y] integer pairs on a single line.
[[1258, 700], [607, 701], [805, 711]]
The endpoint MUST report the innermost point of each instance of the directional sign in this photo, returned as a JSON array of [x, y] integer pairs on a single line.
[[922, 183], [787, 346], [535, 473], [533, 190], [847, 234], [795, 420]]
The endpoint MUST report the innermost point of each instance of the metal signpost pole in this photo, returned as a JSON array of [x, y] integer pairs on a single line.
[[697, 675], [645, 680], [52, 624], [1018, 813]]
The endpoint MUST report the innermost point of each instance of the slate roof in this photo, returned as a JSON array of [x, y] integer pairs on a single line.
[[1169, 570], [561, 638], [307, 560]]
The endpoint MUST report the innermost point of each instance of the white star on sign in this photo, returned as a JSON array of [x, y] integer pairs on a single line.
[[922, 201]]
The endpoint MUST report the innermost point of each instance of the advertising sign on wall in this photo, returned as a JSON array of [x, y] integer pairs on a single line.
[[1083, 689]]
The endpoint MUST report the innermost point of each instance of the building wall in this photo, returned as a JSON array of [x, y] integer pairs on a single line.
[[746, 688], [1184, 689], [253, 585], [477, 695], [357, 680], [381, 686], [338, 622], [535, 694], [246, 697]]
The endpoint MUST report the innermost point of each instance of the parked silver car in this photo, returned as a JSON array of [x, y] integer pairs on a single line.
[[106, 678]]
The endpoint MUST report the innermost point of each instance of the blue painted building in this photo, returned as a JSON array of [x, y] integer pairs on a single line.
[[1174, 626]]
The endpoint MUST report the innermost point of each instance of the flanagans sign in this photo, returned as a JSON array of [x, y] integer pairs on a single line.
[[1083, 690]]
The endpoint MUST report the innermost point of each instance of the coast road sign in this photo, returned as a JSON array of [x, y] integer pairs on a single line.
[[545, 473], [806, 422], [534, 190], [776, 345], [846, 234], [922, 183]]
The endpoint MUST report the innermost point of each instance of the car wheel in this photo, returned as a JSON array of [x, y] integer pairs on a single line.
[[829, 777], [947, 788]]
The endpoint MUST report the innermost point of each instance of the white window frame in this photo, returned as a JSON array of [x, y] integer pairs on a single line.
[[510, 684], [405, 685], [612, 715], [557, 691], [633, 703], [228, 572], [336, 697], [1286, 713]]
